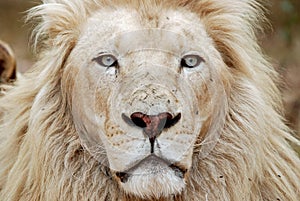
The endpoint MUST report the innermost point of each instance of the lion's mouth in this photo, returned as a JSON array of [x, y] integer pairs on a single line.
[[152, 164]]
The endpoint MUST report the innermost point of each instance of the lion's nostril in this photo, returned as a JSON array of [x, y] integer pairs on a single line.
[[172, 121], [139, 119]]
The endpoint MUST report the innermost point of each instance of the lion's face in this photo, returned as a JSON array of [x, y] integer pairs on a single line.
[[144, 93]]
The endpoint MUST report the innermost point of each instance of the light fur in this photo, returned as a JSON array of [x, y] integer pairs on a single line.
[[41, 157]]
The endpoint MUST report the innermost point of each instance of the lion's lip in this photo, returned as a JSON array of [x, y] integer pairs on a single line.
[[152, 160]]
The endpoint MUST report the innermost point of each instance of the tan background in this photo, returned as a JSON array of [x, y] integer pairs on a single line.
[[282, 44]]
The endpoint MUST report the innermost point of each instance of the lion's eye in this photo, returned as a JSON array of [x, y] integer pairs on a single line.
[[191, 61], [106, 60]]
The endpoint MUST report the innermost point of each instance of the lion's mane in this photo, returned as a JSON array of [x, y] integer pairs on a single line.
[[41, 157]]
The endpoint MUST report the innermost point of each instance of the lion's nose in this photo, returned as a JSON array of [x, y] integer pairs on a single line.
[[153, 125]]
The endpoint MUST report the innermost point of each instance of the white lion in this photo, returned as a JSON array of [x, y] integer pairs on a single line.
[[147, 100]]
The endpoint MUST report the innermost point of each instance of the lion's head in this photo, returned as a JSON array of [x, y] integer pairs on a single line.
[[158, 99], [143, 90]]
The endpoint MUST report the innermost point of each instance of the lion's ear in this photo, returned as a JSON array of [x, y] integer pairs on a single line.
[[7, 63]]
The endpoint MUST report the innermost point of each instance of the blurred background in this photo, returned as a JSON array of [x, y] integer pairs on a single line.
[[281, 43]]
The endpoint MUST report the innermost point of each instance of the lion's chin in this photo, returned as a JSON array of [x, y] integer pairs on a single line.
[[153, 178]]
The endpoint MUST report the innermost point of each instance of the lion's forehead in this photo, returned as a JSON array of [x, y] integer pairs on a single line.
[[124, 30]]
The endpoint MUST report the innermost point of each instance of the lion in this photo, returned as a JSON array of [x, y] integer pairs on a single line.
[[7, 64], [147, 100]]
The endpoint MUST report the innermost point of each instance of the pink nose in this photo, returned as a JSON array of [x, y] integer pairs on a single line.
[[153, 125]]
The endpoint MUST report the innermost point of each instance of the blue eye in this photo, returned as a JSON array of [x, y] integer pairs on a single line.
[[106, 60], [191, 61]]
